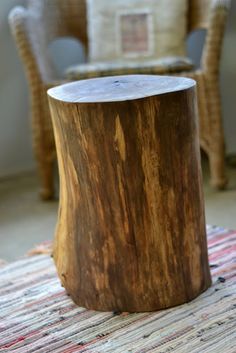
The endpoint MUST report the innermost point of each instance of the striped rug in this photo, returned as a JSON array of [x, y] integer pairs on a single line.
[[36, 315]]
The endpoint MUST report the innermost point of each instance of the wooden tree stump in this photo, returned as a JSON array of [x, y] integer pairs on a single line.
[[131, 230]]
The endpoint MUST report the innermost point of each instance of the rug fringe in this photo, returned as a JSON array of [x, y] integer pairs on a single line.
[[41, 249]]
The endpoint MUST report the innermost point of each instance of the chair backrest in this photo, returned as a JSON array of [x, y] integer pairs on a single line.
[[61, 18], [199, 13], [69, 17]]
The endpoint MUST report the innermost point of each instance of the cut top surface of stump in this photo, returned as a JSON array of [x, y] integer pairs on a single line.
[[118, 88]]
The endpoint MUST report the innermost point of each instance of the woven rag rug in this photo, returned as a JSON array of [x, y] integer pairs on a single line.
[[36, 315]]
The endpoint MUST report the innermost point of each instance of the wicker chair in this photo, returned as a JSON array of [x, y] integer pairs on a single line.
[[44, 20]]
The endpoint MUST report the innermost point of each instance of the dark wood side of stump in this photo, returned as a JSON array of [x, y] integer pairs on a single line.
[[131, 229]]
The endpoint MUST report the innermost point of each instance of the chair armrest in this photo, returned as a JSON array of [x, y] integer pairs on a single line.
[[213, 47], [32, 53]]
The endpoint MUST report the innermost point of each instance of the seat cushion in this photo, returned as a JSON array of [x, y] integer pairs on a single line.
[[160, 66], [137, 29]]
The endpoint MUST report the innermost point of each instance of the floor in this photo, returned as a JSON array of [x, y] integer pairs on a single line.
[[25, 221]]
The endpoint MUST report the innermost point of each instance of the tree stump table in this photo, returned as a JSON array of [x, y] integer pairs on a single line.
[[131, 229]]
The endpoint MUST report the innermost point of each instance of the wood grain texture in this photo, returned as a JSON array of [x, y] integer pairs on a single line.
[[131, 229]]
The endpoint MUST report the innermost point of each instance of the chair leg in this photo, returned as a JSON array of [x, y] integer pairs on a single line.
[[216, 150], [43, 143], [46, 178]]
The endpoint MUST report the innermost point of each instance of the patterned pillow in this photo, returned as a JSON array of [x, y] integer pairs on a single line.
[[136, 29]]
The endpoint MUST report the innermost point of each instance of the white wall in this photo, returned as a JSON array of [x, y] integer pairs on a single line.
[[228, 81], [15, 137], [15, 142]]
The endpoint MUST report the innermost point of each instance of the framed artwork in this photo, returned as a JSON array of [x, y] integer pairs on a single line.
[[136, 29], [134, 33]]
